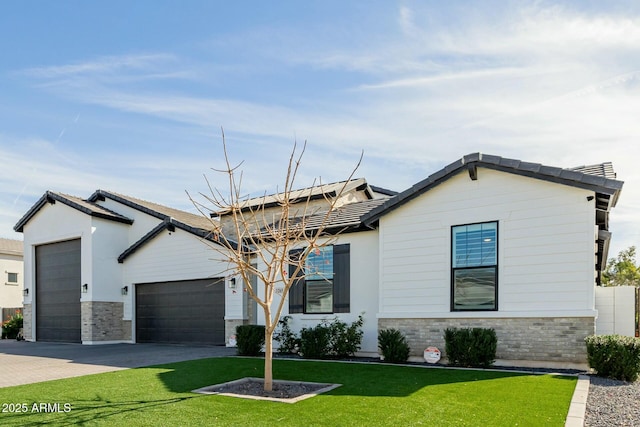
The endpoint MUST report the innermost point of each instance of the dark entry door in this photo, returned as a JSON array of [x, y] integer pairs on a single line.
[[58, 268], [189, 311]]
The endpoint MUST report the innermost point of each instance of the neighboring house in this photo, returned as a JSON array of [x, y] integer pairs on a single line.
[[486, 241], [11, 268]]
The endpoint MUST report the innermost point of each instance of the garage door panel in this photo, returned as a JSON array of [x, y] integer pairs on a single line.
[[181, 312], [58, 277]]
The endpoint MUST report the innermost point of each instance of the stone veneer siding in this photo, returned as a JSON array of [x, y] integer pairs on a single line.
[[27, 322], [230, 328], [102, 321], [533, 339]]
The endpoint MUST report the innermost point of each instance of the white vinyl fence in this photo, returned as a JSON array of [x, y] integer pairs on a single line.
[[617, 310]]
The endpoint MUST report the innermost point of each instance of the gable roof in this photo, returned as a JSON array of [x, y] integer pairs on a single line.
[[346, 218], [172, 218], [312, 193], [11, 247], [596, 178], [170, 225], [383, 191], [85, 206], [186, 219], [604, 170]]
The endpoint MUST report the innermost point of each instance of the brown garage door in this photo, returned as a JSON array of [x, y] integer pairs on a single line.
[[180, 312], [58, 292]]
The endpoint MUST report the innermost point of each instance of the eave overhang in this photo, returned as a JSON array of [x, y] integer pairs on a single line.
[[606, 190], [170, 225], [50, 198]]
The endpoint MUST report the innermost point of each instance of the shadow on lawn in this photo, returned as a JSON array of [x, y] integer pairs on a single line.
[[87, 411], [357, 379]]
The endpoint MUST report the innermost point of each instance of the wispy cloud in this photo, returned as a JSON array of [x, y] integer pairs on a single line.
[[102, 65], [552, 84], [476, 75]]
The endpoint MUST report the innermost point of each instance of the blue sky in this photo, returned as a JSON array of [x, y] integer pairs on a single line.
[[130, 96]]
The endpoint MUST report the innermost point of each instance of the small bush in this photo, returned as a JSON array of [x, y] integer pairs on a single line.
[[12, 326], [314, 342], [345, 340], [288, 342], [250, 339], [393, 345], [471, 347], [614, 356], [335, 339]]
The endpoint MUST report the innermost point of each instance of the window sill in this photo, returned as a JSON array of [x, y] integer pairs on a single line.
[[314, 316]]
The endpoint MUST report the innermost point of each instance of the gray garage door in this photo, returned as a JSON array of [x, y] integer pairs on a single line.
[[181, 312], [58, 292]]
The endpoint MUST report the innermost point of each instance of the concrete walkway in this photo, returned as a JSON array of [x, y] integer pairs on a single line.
[[31, 362]]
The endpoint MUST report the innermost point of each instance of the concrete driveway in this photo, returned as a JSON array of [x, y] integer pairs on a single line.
[[31, 362]]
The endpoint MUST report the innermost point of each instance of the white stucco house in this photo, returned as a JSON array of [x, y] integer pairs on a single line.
[[11, 267], [486, 241]]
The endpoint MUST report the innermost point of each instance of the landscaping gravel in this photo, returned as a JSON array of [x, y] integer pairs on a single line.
[[280, 390], [612, 403]]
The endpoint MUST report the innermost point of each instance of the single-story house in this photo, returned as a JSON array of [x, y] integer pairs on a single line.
[[486, 241], [11, 284]]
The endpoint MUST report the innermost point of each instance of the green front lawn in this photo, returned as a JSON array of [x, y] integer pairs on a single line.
[[371, 394]]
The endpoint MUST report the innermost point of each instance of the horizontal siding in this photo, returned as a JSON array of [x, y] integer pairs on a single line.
[[363, 251], [545, 254], [173, 256], [181, 256]]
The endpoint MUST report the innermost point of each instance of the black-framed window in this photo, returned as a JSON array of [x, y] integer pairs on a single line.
[[474, 267], [323, 287], [318, 292]]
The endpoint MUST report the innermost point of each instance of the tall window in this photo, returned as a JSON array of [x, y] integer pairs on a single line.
[[474, 262], [319, 281], [323, 287]]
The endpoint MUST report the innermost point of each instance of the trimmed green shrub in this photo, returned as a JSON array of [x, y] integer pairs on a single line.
[[471, 347], [345, 340], [11, 327], [250, 339], [614, 356], [314, 342], [288, 342], [334, 339], [393, 345]]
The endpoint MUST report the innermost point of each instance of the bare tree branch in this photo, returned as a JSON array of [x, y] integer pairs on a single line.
[[255, 238]]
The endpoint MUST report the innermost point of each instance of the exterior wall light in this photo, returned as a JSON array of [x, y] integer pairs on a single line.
[[25, 292], [125, 290], [232, 283], [85, 288]]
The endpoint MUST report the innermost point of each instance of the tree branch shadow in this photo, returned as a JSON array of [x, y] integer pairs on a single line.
[[87, 411]]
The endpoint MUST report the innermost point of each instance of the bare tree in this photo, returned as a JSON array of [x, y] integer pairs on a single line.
[[257, 241]]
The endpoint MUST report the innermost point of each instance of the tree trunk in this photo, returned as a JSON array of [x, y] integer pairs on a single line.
[[268, 360]]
